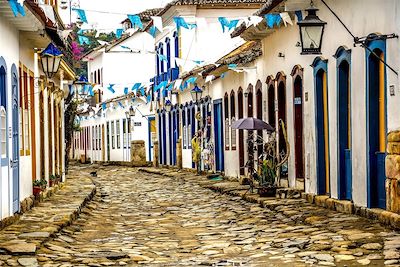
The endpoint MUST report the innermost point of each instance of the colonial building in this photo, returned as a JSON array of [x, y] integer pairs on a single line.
[[185, 49], [32, 106], [106, 129], [337, 106]]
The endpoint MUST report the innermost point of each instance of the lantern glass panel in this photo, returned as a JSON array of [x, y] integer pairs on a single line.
[[57, 61], [312, 37]]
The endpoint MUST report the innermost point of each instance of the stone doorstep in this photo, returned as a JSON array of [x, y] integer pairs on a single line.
[[384, 217], [21, 248]]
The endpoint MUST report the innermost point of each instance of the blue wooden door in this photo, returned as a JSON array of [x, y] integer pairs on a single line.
[[15, 141], [344, 160], [175, 135], [376, 113], [218, 136], [164, 140]]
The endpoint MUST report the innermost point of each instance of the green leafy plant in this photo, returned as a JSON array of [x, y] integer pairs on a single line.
[[43, 183], [37, 183]]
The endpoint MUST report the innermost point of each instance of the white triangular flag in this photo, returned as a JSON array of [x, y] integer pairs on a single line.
[[255, 20], [180, 62], [65, 34], [49, 12], [157, 22], [102, 42], [178, 83], [286, 18], [209, 78]]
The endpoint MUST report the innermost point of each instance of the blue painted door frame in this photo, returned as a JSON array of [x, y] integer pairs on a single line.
[[320, 68], [174, 134], [344, 180], [4, 161], [15, 138], [376, 177], [218, 135], [151, 145]]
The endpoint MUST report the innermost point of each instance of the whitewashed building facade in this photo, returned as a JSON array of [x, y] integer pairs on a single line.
[[337, 106]]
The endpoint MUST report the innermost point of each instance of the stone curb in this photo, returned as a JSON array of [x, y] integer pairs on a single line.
[[29, 203], [27, 243], [384, 217]]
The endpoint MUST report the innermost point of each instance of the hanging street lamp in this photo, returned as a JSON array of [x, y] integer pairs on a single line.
[[79, 86], [311, 32], [50, 59], [196, 93], [168, 105]]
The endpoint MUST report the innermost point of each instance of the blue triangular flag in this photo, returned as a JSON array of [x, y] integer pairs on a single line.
[[273, 19], [120, 104], [180, 22], [136, 22], [136, 86], [90, 90], [191, 80], [232, 66], [82, 15], [16, 8], [104, 106], [233, 24], [152, 31], [110, 87], [141, 89], [83, 40], [148, 98], [119, 33], [126, 89], [223, 75], [162, 57]]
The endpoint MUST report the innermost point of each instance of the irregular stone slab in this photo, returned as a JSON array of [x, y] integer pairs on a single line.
[[20, 248], [35, 235], [29, 262], [372, 246], [344, 257], [324, 257], [364, 261], [108, 255]]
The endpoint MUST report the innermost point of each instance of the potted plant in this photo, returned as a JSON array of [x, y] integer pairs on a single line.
[[37, 187], [58, 178], [43, 183], [52, 180], [267, 179]]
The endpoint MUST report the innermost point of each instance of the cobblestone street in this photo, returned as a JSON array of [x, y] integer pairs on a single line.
[[154, 220]]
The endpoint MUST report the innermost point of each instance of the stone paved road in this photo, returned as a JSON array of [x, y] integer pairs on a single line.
[[153, 220]]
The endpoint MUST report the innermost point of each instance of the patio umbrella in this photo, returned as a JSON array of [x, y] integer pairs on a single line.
[[251, 123]]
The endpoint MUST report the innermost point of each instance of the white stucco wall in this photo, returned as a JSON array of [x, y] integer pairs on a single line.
[[9, 51]]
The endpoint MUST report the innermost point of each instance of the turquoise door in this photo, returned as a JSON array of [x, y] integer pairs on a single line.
[[15, 139], [218, 135]]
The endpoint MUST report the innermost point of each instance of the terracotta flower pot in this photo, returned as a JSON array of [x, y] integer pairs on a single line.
[[37, 190]]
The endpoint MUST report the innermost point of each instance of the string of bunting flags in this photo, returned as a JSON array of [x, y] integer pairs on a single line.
[[227, 24]]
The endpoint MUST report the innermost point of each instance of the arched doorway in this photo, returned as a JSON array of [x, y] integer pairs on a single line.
[[344, 124], [376, 124], [241, 134], [297, 75], [282, 149], [250, 108], [322, 125], [271, 101], [259, 107]]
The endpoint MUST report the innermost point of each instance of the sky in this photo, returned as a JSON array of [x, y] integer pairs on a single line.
[[105, 19]]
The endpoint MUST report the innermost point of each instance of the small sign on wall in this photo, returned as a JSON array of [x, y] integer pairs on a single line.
[[297, 100], [391, 90], [306, 97], [137, 123]]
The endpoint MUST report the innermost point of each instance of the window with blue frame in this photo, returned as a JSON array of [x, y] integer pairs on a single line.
[[184, 122], [157, 62], [176, 45], [168, 44], [161, 62], [3, 113]]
